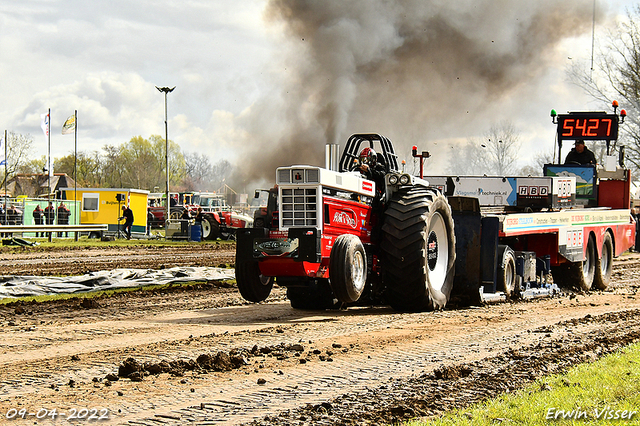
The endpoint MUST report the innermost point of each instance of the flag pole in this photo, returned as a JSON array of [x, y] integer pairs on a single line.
[[75, 170], [6, 142], [49, 156], [49, 165]]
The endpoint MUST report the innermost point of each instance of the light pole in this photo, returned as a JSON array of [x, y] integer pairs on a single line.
[[166, 90]]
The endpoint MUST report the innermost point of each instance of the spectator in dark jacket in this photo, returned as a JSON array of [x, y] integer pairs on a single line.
[[127, 215], [580, 154], [38, 219], [63, 217], [50, 215]]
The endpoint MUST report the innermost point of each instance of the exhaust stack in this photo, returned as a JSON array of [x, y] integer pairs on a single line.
[[331, 156]]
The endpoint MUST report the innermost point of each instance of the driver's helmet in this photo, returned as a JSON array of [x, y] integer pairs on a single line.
[[368, 156]]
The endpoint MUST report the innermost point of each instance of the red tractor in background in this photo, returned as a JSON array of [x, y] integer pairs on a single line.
[[219, 219]]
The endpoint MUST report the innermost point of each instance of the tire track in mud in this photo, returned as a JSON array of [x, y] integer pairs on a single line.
[[397, 345], [242, 402], [381, 347]]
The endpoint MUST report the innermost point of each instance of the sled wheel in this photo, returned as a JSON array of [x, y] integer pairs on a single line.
[[253, 286], [588, 265], [604, 265], [210, 228], [579, 275], [418, 248], [507, 271], [347, 268]]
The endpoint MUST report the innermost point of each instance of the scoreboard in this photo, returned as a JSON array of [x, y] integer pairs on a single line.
[[587, 126]]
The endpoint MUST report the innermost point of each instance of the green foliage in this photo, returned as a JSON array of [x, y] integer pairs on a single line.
[[604, 388]]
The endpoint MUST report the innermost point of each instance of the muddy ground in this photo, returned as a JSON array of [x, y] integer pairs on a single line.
[[201, 355]]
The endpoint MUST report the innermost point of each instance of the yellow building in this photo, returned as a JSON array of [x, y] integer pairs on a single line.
[[104, 206]]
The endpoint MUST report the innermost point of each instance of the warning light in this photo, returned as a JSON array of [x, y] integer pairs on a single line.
[[623, 112], [614, 104], [553, 113], [414, 151]]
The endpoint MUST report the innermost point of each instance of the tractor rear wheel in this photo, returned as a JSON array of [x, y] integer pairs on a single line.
[[604, 265], [347, 268], [253, 286], [210, 228], [418, 248]]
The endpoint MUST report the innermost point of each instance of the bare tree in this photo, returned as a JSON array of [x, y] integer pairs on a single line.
[[198, 172], [496, 153], [18, 152], [502, 148], [222, 170], [616, 76], [467, 160]]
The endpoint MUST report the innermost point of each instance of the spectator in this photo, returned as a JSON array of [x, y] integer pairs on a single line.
[[185, 217], [50, 215], [199, 216], [635, 212], [580, 154], [3, 218], [150, 219], [127, 215], [63, 217], [38, 219]]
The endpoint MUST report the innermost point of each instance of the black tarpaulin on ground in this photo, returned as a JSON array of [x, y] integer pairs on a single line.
[[21, 286]]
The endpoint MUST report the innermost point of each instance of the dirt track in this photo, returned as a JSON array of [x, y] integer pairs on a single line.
[[203, 356]]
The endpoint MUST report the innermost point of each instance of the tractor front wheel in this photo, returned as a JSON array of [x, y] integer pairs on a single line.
[[253, 286], [210, 228], [347, 268]]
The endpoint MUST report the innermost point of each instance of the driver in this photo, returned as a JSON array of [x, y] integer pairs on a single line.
[[371, 169], [580, 154], [375, 171]]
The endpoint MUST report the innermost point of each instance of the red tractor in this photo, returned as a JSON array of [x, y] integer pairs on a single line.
[[333, 238], [219, 219], [336, 238]]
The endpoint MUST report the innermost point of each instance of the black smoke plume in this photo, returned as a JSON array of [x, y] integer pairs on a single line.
[[413, 70]]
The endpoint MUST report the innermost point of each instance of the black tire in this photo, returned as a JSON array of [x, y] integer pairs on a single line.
[[315, 295], [579, 275], [604, 265], [507, 278], [347, 268], [418, 250], [176, 213], [253, 286], [210, 228]]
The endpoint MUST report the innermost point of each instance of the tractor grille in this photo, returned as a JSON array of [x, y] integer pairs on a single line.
[[299, 207]]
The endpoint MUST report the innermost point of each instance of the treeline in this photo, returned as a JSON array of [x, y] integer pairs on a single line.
[[138, 163]]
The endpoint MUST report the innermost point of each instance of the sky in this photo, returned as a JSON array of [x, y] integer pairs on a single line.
[[267, 83]]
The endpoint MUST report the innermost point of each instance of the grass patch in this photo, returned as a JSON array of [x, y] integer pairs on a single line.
[[109, 293], [85, 242], [588, 394]]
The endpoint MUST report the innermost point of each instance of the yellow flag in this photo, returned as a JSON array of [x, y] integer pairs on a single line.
[[69, 126]]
